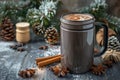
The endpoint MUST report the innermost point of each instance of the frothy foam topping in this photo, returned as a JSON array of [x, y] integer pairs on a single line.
[[77, 17]]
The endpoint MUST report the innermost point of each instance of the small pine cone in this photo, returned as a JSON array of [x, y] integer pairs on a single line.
[[113, 43], [38, 29], [28, 73], [111, 55], [51, 35], [7, 31]]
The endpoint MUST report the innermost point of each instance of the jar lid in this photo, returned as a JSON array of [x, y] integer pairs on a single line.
[[22, 25]]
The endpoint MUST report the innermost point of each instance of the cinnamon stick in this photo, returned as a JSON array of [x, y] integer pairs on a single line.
[[48, 61], [45, 58]]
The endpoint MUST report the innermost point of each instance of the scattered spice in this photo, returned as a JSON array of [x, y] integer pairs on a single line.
[[98, 69], [20, 44], [18, 47], [21, 49], [13, 47], [108, 64], [59, 70], [43, 47], [55, 69], [28, 73]]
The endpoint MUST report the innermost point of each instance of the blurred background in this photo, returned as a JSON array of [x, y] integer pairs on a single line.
[[74, 5]]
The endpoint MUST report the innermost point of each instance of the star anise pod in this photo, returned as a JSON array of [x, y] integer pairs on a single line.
[[98, 69], [13, 47], [59, 70], [28, 73], [64, 71], [108, 63], [56, 70], [18, 47], [21, 49], [43, 47], [20, 44]]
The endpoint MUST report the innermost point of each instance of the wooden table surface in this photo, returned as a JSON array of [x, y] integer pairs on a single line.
[[12, 61]]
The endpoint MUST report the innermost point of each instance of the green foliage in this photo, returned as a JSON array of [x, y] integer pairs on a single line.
[[33, 11], [16, 10], [99, 10], [35, 3], [45, 14], [114, 23]]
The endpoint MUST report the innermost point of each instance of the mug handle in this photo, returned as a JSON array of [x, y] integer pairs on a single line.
[[105, 38]]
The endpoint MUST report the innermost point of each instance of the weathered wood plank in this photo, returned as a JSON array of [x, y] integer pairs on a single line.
[[111, 74], [86, 76], [12, 61], [5, 59], [16, 65], [33, 53]]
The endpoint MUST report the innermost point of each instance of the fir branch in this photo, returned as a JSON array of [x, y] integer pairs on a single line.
[[12, 10], [18, 7], [16, 10], [112, 19], [114, 23], [44, 14], [99, 10]]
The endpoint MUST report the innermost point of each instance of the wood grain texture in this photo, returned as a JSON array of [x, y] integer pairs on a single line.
[[12, 61]]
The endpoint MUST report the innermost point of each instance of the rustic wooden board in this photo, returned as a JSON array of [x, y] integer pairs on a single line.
[[12, 61]]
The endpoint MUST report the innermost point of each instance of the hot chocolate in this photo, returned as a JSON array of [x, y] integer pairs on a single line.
[[78, 17]]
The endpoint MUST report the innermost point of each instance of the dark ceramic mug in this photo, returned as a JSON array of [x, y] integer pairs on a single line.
[[77, 43]]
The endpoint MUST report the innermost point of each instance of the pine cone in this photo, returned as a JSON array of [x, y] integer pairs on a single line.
[[7, 31], [51, 35], [113, 51], [28, 73], [38, 29], [113, 43], [111, 55]]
